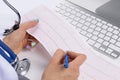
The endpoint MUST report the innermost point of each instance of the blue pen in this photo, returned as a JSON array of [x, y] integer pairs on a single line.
[[66, 61]]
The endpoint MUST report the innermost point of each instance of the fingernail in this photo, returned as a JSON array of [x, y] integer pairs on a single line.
[[28, 47], [36, 20], [33, 44]]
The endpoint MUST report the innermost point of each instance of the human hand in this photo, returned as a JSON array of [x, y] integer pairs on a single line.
[[56, 71], [19, 39]]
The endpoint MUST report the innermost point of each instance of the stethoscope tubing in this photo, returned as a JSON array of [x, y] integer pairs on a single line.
[[7, 53]]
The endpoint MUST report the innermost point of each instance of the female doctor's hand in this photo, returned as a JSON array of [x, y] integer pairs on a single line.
[[56, 71], [20, 38]]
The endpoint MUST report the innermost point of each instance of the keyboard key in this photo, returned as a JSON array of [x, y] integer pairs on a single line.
[[83, 32], [100, 40], [93, 17], [104, 22], [115, 31], [77, 18], [109, 34], [63, 7], [89, 35], [92, 26], [74, 22], [94, 37], [106, 43], [85, 38], [118, 39], [78, 14], [68, 10], [101, 35], [67, 5], [103, 31], [97, 28], [114, 47], [110, 29], [88, 19], [73, 12], [109, 24], [115, 27], [82, 21], [104, 47], [94, 22], [112, 41], [95, 32], [85, 28], [114, 36], [97, 45], [99, 24], [91, 42], [98, 19], [118, 44], [90, 30], [77, 10], [82, 12], [87, 14], [109, 51], [114, 55], [107, 38], [104, 26], [101, 48], [87, 23], [72, 7], [83, 17]]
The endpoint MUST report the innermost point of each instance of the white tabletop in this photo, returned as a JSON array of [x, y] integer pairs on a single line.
[[7, 17], [25, 5]]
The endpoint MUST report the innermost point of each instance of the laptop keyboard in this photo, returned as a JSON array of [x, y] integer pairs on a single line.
[[101, 35]]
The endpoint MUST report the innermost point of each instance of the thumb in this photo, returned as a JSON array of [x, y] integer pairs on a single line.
[[78, 60], [58, 56], [29, 24]]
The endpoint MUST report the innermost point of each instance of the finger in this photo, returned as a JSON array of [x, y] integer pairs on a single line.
[[58, 56], [32, 38], [73, 54], [28, 25], [78, 60], [31, 42], [24, 43]]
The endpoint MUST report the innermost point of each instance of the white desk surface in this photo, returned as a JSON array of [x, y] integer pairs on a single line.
[[26, 5], [23, 6]]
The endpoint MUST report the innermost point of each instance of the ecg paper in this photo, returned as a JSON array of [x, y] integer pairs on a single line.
[[53, 33]]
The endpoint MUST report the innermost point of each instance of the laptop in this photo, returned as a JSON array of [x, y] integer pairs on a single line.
[[100, 32]]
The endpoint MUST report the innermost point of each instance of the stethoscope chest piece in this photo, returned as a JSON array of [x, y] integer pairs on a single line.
[[22, 66]]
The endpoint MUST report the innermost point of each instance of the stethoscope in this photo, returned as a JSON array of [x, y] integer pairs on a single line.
[[21, 66], [17, 23]]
